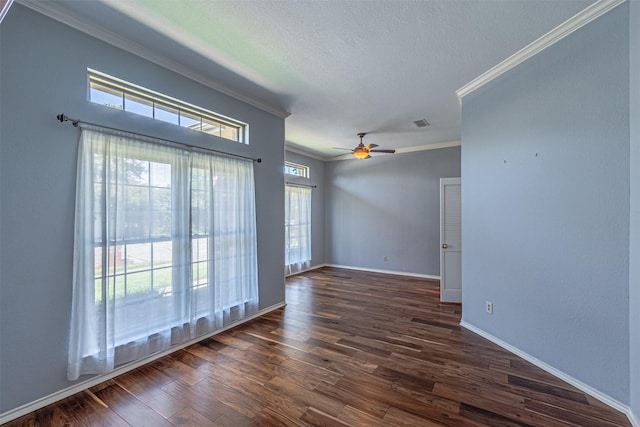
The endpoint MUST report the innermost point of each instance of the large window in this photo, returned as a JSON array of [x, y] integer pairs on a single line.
[[165, 248], [297, 228], [115, 93]]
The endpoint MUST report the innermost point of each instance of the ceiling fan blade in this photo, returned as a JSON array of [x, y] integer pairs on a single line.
[[382, 151], [340, 148], [370, 146]]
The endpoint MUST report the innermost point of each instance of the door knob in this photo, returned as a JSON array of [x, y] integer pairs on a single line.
[[445, 246]]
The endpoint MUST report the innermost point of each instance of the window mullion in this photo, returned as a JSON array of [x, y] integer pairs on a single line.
[[124, 262]]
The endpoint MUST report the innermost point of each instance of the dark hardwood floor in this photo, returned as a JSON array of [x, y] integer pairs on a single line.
[[350, 348]]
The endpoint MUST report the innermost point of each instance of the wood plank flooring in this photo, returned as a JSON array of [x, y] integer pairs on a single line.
[[350, 348]]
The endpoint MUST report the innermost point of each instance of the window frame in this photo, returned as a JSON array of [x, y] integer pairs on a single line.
[[291, 166], [160, 102]]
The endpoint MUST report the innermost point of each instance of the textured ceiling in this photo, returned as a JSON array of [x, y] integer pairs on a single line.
[[339, 67]]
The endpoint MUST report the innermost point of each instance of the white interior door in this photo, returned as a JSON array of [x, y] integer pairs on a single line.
[[450, 240]]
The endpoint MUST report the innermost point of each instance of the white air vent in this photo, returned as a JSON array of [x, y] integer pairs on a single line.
[[422, 123]]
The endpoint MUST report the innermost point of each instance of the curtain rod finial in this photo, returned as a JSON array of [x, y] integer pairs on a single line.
[[65, 118]]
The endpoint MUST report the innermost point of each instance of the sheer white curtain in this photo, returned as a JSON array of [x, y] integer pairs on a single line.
[[226, 226], [297, 228], [164, 251]]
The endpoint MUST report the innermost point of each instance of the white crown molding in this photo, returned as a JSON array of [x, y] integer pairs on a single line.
[[572, 24], [425, 147], [50, 9], [604, 398], [93, 381], [6, 4], [340, 157]]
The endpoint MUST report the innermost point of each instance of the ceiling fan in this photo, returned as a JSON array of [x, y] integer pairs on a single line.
[[362, 151]]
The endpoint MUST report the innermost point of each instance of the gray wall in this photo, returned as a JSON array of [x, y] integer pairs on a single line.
[[634, 256], [388, 206], [545, 178], [44, 73], [316, 177]]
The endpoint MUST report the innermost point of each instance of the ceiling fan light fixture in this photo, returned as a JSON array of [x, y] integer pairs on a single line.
[[362, 151], [360, 154]]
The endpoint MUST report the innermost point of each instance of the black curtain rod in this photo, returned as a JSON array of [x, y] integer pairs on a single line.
[[301, 185], [76, 122]]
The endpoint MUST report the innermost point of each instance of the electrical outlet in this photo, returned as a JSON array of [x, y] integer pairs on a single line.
[[385, 259], [489, 307]]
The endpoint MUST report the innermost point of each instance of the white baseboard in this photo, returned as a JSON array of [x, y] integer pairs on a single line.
[[397, 273], [314, 267], [604, 398], [93, 381]]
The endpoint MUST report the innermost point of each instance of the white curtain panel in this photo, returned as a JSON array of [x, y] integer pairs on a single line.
[[164, 250], [297, 228]]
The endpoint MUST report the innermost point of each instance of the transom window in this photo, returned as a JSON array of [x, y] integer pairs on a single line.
[[296, 169], [119, 94]]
